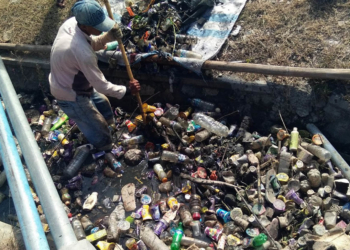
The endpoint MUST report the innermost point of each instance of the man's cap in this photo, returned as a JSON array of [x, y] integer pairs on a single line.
[[90, 13]]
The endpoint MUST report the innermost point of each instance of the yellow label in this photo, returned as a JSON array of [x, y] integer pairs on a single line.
[[99, 235], [282, 177]]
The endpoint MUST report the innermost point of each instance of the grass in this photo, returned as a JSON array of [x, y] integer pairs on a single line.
[[303, 33], [32, 21]]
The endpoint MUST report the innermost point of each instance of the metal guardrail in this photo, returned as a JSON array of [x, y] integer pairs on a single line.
[[59, 224], [28, 217]]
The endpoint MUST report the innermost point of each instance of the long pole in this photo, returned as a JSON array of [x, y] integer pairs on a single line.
[[59, 224], [31, 228], [336, 157], [316, 73], [127, 64]]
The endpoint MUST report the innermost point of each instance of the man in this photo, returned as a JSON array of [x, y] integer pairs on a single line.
[[75, 79]]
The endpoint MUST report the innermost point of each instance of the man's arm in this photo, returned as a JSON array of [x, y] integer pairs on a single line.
[[87, 63], [98, 42]]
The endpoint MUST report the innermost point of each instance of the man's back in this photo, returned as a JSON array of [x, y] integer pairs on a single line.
[[70, 48]]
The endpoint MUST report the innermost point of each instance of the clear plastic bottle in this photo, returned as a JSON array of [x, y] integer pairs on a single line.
[[187, 54], [118, 214], [186, 39], [175, 157], [284, 161], [113, 163], [322, 153], [211, 125], [202, 105], [134, 140], [46, 126], [87, 224], [78, 229], [171, 124], [80, 156], [158, 169], [171, 113]]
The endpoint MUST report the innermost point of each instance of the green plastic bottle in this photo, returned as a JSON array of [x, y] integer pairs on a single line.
[[294, 140], [259, 240], [111, 45], [175, 245], [60, 122]]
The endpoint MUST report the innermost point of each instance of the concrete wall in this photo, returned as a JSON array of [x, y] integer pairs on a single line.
[[323, 104]]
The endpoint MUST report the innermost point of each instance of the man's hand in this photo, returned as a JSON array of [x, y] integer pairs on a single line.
[[116, 32], [134, 86]]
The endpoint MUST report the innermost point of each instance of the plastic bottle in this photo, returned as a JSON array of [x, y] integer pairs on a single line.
[[284, 161], [158, 169], [87, 224], [60, 122], [202, 105], [78, 229], [134, 140], [202, 135], [171, 113], [118, 214], [294, 140], [187, 54], [46, 126], [175, 245], [211, 125], [322, 153], [160, 227], [111, 46], [175, 157], [113, 163], [171, 124], [80, 156], [186, 39], [185, 216], [90, 202], [259, 240]]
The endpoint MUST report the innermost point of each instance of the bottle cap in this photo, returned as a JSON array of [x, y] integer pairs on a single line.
[[283, 178], [196, 216], [145, 199], [317, 140]]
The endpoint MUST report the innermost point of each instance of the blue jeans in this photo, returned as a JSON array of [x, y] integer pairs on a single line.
[[92, 115]]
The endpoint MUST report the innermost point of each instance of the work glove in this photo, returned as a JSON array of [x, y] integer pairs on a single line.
[[116, 32], [134, 86]]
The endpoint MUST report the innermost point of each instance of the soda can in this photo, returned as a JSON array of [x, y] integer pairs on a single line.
[[213, 233], [223, 214], [146, 215]]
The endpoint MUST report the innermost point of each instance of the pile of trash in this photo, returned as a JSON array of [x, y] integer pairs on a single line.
[[158, 26], [196, 183]]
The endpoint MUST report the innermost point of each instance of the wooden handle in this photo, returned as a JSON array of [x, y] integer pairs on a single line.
[[126, 61]]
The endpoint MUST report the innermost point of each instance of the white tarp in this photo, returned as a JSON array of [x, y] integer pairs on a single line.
[[211, 35]]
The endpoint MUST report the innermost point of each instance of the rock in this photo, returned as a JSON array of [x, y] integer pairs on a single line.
[[133, 157]]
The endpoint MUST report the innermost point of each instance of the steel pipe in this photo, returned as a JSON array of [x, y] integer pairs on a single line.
[[28, 217], [336, 157], [59, 224]]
